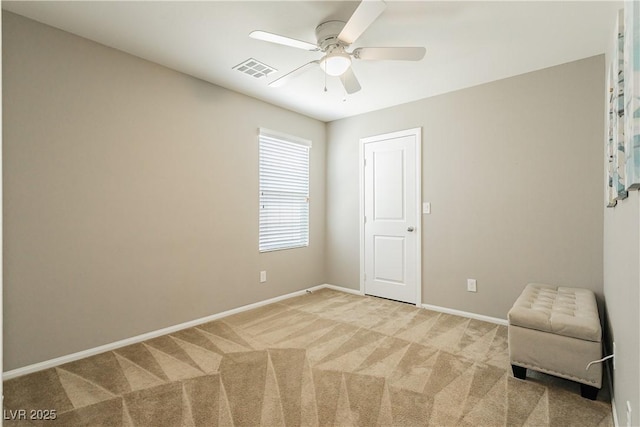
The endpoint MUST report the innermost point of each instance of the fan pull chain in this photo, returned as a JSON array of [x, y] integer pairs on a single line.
[[325, 82]]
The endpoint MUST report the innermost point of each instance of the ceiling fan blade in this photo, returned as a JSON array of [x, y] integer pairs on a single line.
[[287, 41], [349, 81], [390, 53], [287, 77], [365, 14]]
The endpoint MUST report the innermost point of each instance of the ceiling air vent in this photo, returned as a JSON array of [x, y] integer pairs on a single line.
[[254, 68]]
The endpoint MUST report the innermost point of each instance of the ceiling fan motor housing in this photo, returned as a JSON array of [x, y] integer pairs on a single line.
[[327, 35]]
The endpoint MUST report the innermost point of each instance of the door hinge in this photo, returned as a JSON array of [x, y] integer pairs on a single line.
[[365, 162], [365, 219]]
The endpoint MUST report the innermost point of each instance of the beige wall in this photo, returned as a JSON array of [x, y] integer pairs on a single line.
[[513, 170], [131, 196], [622, 293], [622, 289]]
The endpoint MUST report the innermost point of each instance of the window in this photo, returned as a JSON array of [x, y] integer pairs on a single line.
[[284, 191]]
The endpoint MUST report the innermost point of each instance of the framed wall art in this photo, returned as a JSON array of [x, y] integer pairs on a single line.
[[610, 148], [615, 144], [631, 72]]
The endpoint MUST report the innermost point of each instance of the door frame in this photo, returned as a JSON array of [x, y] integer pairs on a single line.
[[417, 132]]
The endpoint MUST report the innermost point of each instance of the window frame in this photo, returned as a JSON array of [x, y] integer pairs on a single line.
[[276, 233]]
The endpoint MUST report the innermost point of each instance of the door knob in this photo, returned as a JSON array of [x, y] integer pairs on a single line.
[[410, 229]]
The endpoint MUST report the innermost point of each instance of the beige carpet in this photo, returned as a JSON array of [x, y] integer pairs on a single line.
[[325, 359]]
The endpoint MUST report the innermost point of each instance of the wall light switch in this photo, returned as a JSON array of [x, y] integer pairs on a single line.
[[471, 285], [426, 208], [263, 276]]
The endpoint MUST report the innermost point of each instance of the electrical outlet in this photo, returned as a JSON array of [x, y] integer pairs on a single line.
[[471, 285], [263, 276]]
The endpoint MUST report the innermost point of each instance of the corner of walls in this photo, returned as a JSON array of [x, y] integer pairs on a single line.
[[342, 230], [132, 205]]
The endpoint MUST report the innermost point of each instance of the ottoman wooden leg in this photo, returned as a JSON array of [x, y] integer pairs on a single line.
[[588, 392], [519, 372]]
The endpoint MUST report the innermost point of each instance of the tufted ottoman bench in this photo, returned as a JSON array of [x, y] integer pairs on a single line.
[[557, 331]]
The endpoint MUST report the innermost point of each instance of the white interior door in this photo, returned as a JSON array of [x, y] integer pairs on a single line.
[[390, 228]]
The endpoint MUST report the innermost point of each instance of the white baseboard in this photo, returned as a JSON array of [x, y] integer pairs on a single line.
[[466, 314], [171, 329], [614, 411], [341, 289], [153, 334]]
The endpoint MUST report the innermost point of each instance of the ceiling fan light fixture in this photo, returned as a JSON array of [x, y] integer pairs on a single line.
[[335, 63]]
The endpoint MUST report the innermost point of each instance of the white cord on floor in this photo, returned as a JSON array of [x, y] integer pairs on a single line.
[[599, 361]]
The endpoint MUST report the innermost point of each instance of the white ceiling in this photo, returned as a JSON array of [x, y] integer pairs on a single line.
[[468, 43]]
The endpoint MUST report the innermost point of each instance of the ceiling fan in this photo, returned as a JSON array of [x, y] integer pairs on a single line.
[[333, 39]]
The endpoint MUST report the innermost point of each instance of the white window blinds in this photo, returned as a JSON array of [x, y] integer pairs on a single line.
[[284, 191]]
